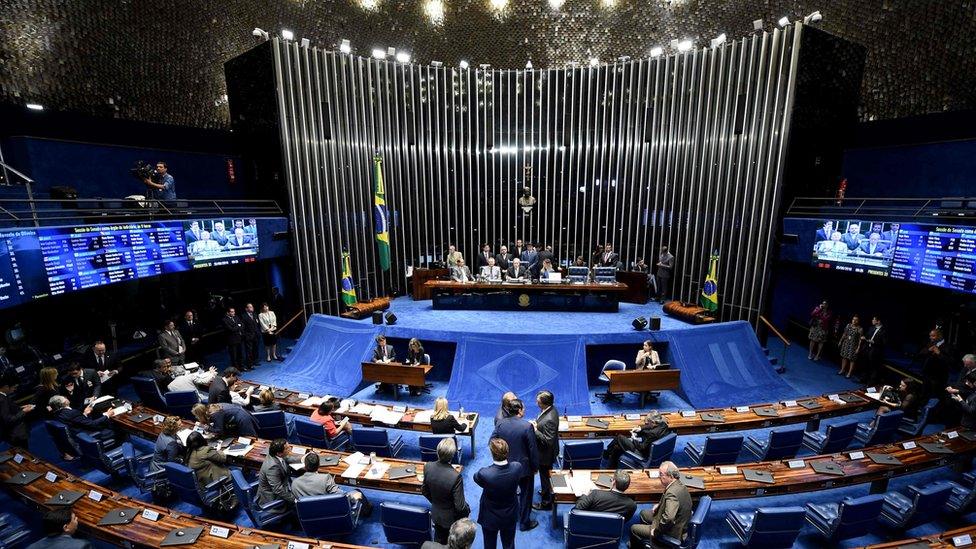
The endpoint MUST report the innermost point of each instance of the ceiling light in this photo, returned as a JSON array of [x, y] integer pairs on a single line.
[[609, 3], [379, 53], [403, 57], [556, 4], [528, 64], [719, 40], [657, 51], [436, 64], [463, 64], [783, 21], [435, 11], [685, 45], [369, 5], [757, 25], [345, 46], [814, 17], [498, 5], [260, 33], [306, 42], [287, 34], [35, 106], [594, 61]]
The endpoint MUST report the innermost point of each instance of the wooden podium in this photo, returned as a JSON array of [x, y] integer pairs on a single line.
[[417, 282], [643, 381]]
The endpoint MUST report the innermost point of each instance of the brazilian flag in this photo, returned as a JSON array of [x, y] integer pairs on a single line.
[[380, 216], [709, 295], [348, 291]]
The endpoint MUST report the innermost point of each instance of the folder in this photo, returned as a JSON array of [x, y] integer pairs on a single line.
[[935, 448], [716, 417], [23, 479], [604, 481], [851, 398], [328, 461], [765, 411], [810, 404], [883, 459], [968, 435], [559, 481], [827, 467], [758, 476], [280, 394], [182, 536], [139, 417], [692, 481], [396, 473], [64, 497], [597, 423], [122, 515], [4, 458]]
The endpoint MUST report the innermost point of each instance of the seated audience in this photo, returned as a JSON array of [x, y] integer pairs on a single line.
[[171, 343], [443, 422], [609, 501], [647, 358], [490, 271], [323, 416], [209, 464], [314, 483], [460, 272], [502, 412], [78, 421], [273, 481], [460, 536], [47, 388], [220, 389], [168, 446], [226, 419], [13, 418], [444, 489], [80, 385], [517, 271], [161, 373], [968, 405], [669, 516], [908, 398], [59, 525], [498, 511], [653, 428]]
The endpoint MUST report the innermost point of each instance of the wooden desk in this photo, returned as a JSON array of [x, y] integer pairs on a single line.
[[291, 402], [637, 288], [255, 457], [397, 374], [943, 539], [643, 381], [536, 296], [734, 420], [420, 276], [643, 488], [141, 532]]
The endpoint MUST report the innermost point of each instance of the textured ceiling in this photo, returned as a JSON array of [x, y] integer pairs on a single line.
[[161, 60]]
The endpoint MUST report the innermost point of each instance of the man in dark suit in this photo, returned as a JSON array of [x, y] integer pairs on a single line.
[[670, 516], [220, 392], [503, 259], [608, 258], [853, 236], [383, 352], [171, 343], [824, 232], [517, 271], [161, 373], [192, 331], [518, 248], [461, 536], [13, 418], [872, 246], [484, 256], [234, 334], [520, 437], [80, 385], [547, 442], [873, 342], [499, 508], [640, 439], [79, 421], [60, 525], [530, 259], [502, 412], [252, 331], [444, 489], [274, 480], [609, 501], [192, 234], [938, 357], [100, 360]]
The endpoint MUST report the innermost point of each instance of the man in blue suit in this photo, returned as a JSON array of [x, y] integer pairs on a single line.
[[499, 510], [530, 259], [520, 437]]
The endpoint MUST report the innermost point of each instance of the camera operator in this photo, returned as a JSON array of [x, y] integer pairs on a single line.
[[161, 184]]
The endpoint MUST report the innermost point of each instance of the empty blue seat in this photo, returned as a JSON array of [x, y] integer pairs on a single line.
[[405, 524], [781, 444], [328, 516], [62, 438], [95, 452], [313, 434], [582, 454], [716, 450], [180, 403], [881, 430], [902, 512], [851, 518], [261, 516], [767, 526], [611, 365], [837, 438], [593, 530], [661, 451], [271, 424], [183, 481], [148, 392], [692, 530], [13, 531], [428, 447], [140, 471], [370, 439], [960, 498], [914, 427]]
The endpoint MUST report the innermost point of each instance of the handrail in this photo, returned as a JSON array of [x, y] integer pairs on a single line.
[[289, 321], [775, 331], [50, 210]]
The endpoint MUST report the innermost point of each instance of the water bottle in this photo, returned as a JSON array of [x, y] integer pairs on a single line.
[[372, 458], [461, 412]]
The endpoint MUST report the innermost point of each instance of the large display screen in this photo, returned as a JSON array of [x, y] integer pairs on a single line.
[[938, 255], [49, 261], [856, 246]]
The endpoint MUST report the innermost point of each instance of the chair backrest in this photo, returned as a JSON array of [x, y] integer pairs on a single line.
[[91, 451], [783, 443], [310, 433], [325, 516], [724, 449], [583, 454], [370, 439], [884, 428], [181, 402], [405, 524], [857, 516], [614, 365], [776, 527], [182, 480], [923, 416], [839, 436], [593, 530], [242, 489], [694, 528], [927, 503], [661, 450], [61, 436], [426, 358], [148, 392], [428, 447], [271, 424]]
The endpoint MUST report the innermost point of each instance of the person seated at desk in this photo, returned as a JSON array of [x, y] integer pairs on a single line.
[[872, 246], [313, 483], [59, 525], [460, 272], [460, 536], [491, 271], [168, 447], [443, 422], [77, 420], [205, 246], [517, 271], [239, 240], [647, 357], [670, 516], [832, 246], [273, 478], [226, 419], [323, 416], [383, 352], [609, 501], [908, 398], [220, 389], [546, 269], [580, 262], [209, 464], [266, 402], [161, 373], [415, 355], [198, 380], [641, 437], [967, 405]]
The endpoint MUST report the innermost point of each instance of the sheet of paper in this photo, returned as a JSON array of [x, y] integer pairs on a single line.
[[312, 401], [190, 366], [582, 484], [875, 396], [574, 418], [423, 417], [364, 409], [297, 466], [389, 417], [377, 471], [353, 470], [355, 458], [563, 425], [183, 434]]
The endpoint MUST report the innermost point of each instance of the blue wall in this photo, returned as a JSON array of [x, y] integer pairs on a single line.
[[926, 170]]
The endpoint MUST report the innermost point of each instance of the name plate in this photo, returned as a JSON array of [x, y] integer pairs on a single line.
[[728, 470], [298, 450], [952, 434], [243, 440], [303, 396], [399, 408], [219, 531], [688, 413], [150, 515], [56, 356], [51, 477], [795, 464], [872, 390], [963, 540], [95, 496], [158, 418], [857, 455], [910, 445], [789, 403], [742, 409], [654, 473], [632, 417], [18, 458], [834, 397], [297, 545], [574, 418], [19, 369]]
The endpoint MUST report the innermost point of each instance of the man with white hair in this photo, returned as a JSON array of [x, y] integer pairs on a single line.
[[668, 517], [79, 421]]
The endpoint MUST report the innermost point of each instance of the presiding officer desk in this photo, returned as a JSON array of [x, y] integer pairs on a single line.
[[141, 532], [300, 403], [537, 296], [366, 478]]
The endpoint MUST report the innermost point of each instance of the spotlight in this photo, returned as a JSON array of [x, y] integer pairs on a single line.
[[719, 40], [685, 45], [463, 64], [594, 61], [783, 21], [260, 33], [287, 34], [657, 51], [623, 58], [391, 318], [306, 42], [391, 52], [814, 17], [436, 64], [35, 106], [609, 3], [369, 5], [403, 57], [345, 46], [528, 64], [639, 323], [757, 25], [556, 4], [435, 11], [379, 53], [498, 5]]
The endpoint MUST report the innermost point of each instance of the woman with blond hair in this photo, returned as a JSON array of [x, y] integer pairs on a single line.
[[168, 446], [47, 388], [443, 422]]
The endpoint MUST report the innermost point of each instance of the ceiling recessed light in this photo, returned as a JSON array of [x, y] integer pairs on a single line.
[[35, 106]]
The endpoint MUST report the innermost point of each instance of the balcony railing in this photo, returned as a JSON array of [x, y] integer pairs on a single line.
[[882, 209]]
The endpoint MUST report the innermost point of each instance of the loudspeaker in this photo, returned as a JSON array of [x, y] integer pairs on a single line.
[[377, 317], [640, 323], [390, 318], [655, 323]]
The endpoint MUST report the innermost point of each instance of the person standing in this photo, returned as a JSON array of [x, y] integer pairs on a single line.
[[503, 259], [665, 268], [819, 324], [937, 358], [164, 186], [850, 346], [13, 418], [498, 511], [192, 331], [547, 441], [444, 489], [608, 258], [171, 343], [80, 385], [269, 332], [234, 334], [484, 256], [668, 517], [874, 347], [519, 436], [452, 256], [967, 405], [252, 329]]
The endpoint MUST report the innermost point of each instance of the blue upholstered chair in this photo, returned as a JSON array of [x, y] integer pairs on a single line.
[[139, 470], [611, 365], [327, 517], [405, 524], [837, 438], [960, 498], [148, 392], [582, 454], [428, 447], [781, 444], [62, 438], [881, 430], [370, 439], [692, 530], [183, 481], [851, 518], [262, 516], [96, 453], [593, 530], [716, 450], [767, 527], [661, 451], [180, 403], [901, 512], [312, 434], [914, 427], [13, 531], [271, 424]]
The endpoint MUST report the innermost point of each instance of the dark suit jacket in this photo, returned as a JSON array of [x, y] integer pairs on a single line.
[[875, 350], [79, 422], [90, 362], [544, 255], [273, 480], [607, 501], [251, 327], [444, 488], [821, 235], [190, 332], [522, 272], [520, 437], [13, 423], [233, 328], [531, 258], [89, 385], [63, 541], [162, 380], [503, 261], [218, 392], [481, 260], [378, 353], [500, 414], [648, 435], [611, 262], [851, 241], [547, 437], [247, 426], [865, 247], [499, 495]]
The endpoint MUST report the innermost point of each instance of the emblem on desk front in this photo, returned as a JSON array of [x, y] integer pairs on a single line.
[[524, 300]]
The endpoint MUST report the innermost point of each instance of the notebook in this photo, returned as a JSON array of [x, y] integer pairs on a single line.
[[851, 398], [559, 481], [604, 481], [765, 411], [22, 479], [397, 473], [597, 423], [692, 481], [968, 435], [935, 448], [279, 394], [64, 497], [716, 417], [140, 417], [810, 404], [758, 476], [4, 458], [182, 536], [122, 515], [827, 468], [328, 461], [883, 459]]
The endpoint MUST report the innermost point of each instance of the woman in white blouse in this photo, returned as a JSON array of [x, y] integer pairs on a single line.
[[269, 331], [647, 358]]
